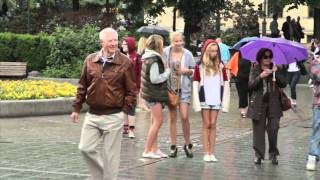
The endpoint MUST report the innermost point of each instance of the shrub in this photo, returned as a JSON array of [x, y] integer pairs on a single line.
[[26, 89], [69, 48], [33, 49]]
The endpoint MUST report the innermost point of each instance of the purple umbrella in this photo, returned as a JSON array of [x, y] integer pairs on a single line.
[[284, 51]]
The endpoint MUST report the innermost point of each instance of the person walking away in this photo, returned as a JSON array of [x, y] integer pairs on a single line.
[[275, 32], [209, 77], [107, 85], [129, 48], [265, 106], [314, 146], [182, 64], [287, 29], [155, 73], [293, 79]]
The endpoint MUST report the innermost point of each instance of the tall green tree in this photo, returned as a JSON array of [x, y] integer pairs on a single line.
[[192, 12], [315, 4]]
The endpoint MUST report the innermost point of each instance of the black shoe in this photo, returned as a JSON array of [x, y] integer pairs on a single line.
[[188, 150], [173, 151], [257, 160], [274, 160]]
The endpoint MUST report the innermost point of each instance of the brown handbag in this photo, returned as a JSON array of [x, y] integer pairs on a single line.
[[174, 98], [284, 100]]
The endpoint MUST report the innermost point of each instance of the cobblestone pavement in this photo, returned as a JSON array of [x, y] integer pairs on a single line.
[[46, 148]]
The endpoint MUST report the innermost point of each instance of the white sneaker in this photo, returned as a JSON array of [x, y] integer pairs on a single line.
[[311, 164], [207, 158], [161, 154], [213, 158], [150, 155], [293, 102], [131, 134]]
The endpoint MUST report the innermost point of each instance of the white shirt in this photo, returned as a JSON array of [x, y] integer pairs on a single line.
[[293, 67]]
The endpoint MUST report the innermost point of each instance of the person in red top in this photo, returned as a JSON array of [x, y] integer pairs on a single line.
[[129, 48]]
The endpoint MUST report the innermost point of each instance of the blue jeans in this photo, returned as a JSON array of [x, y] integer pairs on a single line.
[[314, 146]]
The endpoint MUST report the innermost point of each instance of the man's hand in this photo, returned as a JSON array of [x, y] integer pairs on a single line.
[[75, 117]]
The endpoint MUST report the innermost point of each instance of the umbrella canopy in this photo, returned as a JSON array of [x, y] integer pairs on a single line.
[[224, 52], [151, 29], [284, 51], [233, 64], [243, 41]]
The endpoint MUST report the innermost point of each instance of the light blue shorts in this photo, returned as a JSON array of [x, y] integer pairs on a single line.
[[203, 105]]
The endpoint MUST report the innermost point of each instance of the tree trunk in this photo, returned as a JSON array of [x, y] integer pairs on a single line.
[[316, 29], [174, 19], [107, 7], [75, 5], [187, 34], [218, 23]]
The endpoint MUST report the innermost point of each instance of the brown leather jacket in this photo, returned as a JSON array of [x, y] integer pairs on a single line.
[[107, 90]]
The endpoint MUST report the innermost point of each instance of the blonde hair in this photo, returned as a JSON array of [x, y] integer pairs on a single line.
[[141, 44], [211, 66], [175, 34], [155, 42]]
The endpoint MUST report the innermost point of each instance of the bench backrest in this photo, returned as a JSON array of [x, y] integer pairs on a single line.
[[13, 69]]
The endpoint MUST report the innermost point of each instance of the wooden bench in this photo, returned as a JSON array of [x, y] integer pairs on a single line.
[[13, 69]]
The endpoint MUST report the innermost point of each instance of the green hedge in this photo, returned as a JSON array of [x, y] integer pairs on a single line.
[[33, 49], [69, 48]]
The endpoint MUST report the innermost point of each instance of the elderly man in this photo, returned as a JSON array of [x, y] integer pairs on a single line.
[[107, 85]]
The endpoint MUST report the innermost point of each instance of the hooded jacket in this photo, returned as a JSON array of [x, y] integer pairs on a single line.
[[135, 59], [198, 95], [153, 92]]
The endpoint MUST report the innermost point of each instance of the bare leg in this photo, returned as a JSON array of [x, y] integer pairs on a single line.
[[213, 130], [157, 117], [184, 115], [205, 129], [173, 124]]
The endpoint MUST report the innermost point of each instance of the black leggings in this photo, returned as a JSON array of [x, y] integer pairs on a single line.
[[243, 91], [293, 81]]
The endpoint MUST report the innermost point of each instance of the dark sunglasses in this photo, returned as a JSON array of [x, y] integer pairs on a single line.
[[267, 57]]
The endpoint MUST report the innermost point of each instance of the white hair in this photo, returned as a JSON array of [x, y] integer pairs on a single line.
[[106, 31]]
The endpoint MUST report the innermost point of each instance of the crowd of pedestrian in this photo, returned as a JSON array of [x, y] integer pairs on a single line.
[[117, 80]]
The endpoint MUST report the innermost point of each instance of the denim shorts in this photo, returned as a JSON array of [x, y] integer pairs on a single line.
[[152, 103], [210, 107]]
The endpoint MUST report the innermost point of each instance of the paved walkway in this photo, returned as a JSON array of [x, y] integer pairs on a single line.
[[46, 148]]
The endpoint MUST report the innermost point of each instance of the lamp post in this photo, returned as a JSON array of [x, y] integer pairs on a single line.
[[264, 22]]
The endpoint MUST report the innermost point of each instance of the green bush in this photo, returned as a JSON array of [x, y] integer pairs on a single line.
[[33, 49], [69, 48]]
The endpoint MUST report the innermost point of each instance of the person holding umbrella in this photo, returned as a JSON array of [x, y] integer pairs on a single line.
[[240, 69], [265, 81]]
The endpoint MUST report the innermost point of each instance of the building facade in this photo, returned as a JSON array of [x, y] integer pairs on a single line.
[[305, 13]]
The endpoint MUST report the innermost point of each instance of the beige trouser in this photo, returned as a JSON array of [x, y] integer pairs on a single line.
[[103, 165]]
